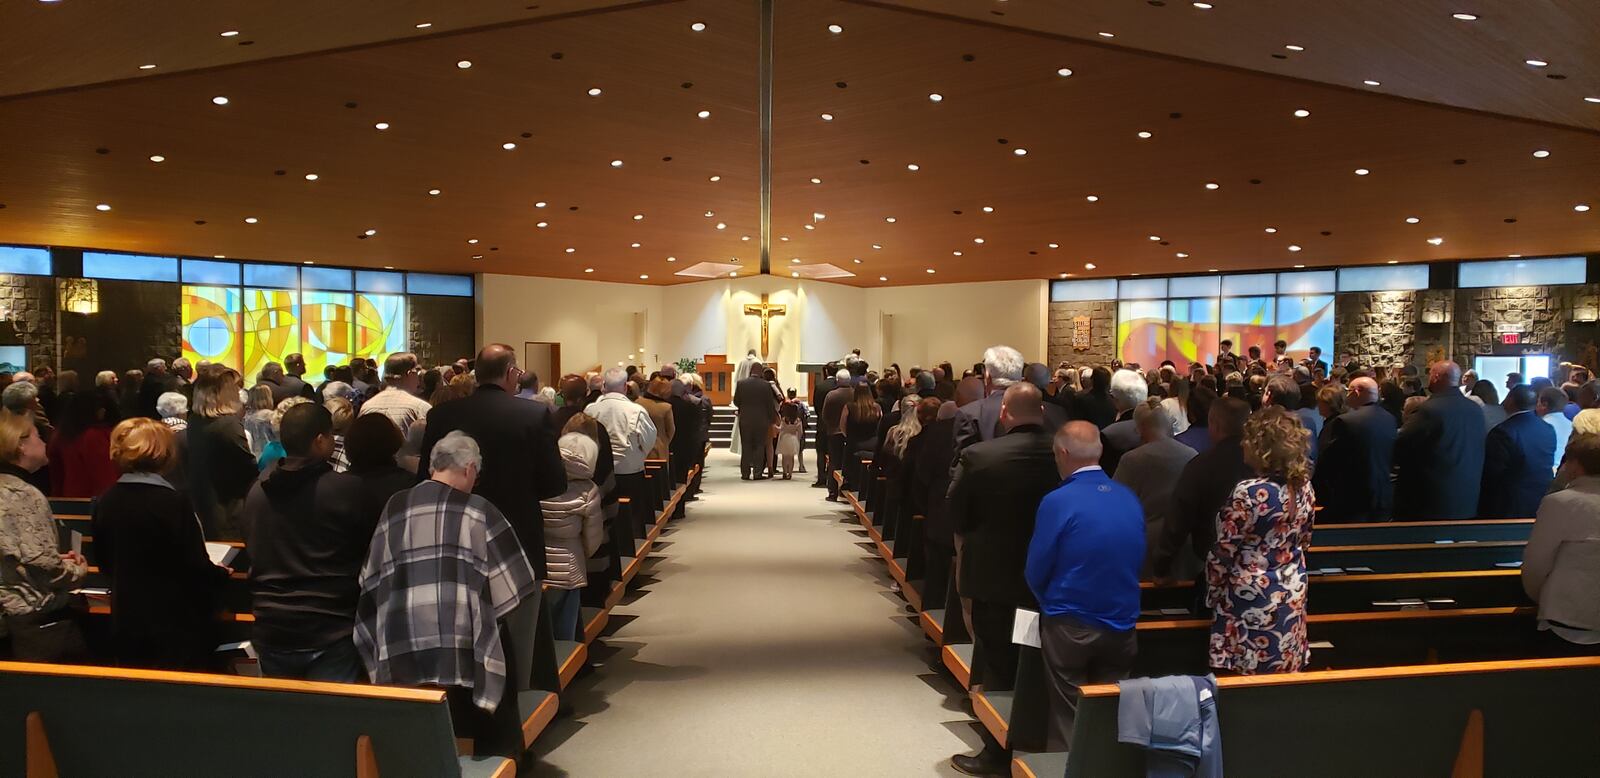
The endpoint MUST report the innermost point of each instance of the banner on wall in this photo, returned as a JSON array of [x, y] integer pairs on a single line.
[[1184, 331], [1080, 333]]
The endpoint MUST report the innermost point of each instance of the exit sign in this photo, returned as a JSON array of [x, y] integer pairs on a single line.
[[1510, 338]]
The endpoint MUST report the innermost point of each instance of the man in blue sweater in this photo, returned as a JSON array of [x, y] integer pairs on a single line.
[[1083, 567]]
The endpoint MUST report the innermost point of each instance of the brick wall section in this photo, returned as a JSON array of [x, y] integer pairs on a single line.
[[1542, 313], [441, 329], [1102, 332], [31, 318]]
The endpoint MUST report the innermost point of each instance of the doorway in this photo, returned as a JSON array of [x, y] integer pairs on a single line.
[[544, 360]]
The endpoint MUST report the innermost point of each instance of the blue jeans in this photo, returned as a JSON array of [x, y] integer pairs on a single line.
[[564, 605], [338, 663]]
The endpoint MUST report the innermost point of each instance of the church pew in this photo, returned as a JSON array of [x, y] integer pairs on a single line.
[[71, 506], [1420, 531], [74, 720], [1417, 557], [1359, 592], [1525, 717]]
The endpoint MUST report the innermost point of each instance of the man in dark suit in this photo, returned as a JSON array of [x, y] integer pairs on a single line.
[[686, 442], [1352, 475], [294, 366], [930, 478], [758, 409], [1315, 361], [832, 408], [1438, 454], [995, 490], [980, 421], [1128, 391], [156, 382], [1093, 404], [1202, 488], [1518, 459], [521, 462], [819, 392]]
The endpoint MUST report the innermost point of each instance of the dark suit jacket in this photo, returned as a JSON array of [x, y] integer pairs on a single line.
[[930, 477], [995, 490], [521, 462], [832, 406], [1439, 458], [1094, 408], [1518, 458], [1201, 490], [821, 390], [757, 405], [152, 389], [686, 440], [1352, 476], [978, 421], [1116, 439]]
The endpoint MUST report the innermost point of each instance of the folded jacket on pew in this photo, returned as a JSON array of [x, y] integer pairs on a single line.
[[1175, 719]]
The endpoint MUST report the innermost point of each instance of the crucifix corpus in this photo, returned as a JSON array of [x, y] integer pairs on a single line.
[[766, 311]]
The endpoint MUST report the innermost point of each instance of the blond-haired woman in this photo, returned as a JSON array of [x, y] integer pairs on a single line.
[[220, 467], [34, 604], [1256, 571], [163, 584]]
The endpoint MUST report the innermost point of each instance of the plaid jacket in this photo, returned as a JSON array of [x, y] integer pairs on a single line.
[[443, 567]]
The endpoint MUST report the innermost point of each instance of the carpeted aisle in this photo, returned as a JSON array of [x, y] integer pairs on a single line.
[[765, 643]]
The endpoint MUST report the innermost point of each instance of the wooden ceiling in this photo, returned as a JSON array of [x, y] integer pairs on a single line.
[[81, 123]]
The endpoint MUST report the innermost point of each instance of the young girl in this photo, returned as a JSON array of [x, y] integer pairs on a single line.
[[789, 435]]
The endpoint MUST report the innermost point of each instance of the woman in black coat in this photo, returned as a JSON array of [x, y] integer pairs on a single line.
[[220, 466], [164, 587]]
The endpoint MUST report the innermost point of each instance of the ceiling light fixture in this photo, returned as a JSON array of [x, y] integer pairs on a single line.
[[1541, 153], [978, 241], [1538, 63], [857, 260], [672, 259], [472, 241], [1093, 198], [644, 276], [835, 29], [433, 192], [1145, 134], [594, 91], [1270, 230], [889, 219], [1053, 245], [1202, 6], [1591, 99], [157, 158], [1181, 255], [1465, 17], [540, 204], [883, 278], [1581, 208], [542, 225], [370, 233], [1299, 266], [710, 214], [1106, 34], [704, 114], [230, 33], [955, 253], [638, 216], [827, 117], [616, 163], [308, 262], [1064, 72], [1293, 247], [930, 271], [1293, 47], [219, 100], [1392, 262], [698, 26], [508, 146], [1361, 171], [633, 245], [988, 209], [913, 167], [722, 225], [312, 176], [1412, 220], [588, 270], [715, 179], [1301, 113], [381, 126], [102, 207], [1020, 152], [1212, 185], [1155, 237], [1370, 82], [936, 97], [816, 180], [877, 246], [1436, 241], [1088, 266], [424, 25], [464, 64], [571, 250], [251, 220], [147, 67]]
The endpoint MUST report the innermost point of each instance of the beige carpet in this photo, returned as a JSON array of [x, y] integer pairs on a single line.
[[763, 642]]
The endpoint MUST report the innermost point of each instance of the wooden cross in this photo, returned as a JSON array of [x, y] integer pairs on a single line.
[[766, 311]]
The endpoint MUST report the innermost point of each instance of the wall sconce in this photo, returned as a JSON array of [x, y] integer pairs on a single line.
[[1586, 314], [79, 295]]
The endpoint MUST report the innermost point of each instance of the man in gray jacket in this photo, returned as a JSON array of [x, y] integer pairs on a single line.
[[1152, 469]]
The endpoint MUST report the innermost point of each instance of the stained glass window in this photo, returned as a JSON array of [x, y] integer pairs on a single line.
[[211, 324]]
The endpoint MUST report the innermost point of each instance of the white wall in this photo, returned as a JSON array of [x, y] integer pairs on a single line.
[[594, 321], [923, 325]]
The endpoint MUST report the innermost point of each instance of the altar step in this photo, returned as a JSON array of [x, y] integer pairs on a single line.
[[722, 417]]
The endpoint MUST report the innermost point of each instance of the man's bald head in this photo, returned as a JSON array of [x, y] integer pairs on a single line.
[[1077, 445], [1022, 403], [969, 390], [494, 365], [1443, 376], [1363, 391]]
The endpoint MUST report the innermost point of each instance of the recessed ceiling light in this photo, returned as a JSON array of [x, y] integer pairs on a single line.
[[616, 163], [913, 167], [1299, 266], [157, 158], [810, 226], [1541, 153], [1412, 220], [1301, 113], [794, 275], [883, 278], [308, 262], [733, 274], [722, 225], [472, 240], [633, 245], [1361, 171], [1202, 6], [816, 180], [877, 246], [433, 192], [571, 250], [1514, 256], [1271, 229], [978, 240], [1064, 72], [1538, 63], [540, 204], [542, 225], [477, 256], [835, 29], [1370, 82], [710, 214], [147, 67], [1088, 266], [230, 33], [1212, 185], [1053, 245], [827, 117], [638, 216], [644, 276], [250, 220], [930, 271], [715, 179], [312, 176], [794, 260], [424, 25], [371, 233], [1145, 134], [102, 207], [988, 209], [1581, 208], [698, 26], [672, 259], [889, 219], [1155, 237], [1293, 247], [1020, 152], [381, 126], [1181, 255], [1393, 262], [508, 146], [1436, 241], [588, 270], [1106, 34], [704, 114], [1591, 99], [818, 216], [1293, 47], [388, 267], [1093, 198], [936, 97], [594, 91], [857, 260], [464, 64], [219, 100]]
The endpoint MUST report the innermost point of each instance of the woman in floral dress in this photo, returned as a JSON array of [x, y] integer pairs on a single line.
[[1256, 572]]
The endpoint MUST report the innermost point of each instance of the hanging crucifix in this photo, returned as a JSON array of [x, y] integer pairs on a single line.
[[766, 311]]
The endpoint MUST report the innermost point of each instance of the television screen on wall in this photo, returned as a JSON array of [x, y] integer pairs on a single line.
[[13, 359]]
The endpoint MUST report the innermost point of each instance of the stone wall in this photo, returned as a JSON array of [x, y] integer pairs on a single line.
[[1542, 315], [28, 316], [136, 320], [1102, 332], [1376, 328], [441, 329]]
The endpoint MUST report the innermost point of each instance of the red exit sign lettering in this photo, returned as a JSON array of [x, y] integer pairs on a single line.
[[1510, 338]]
